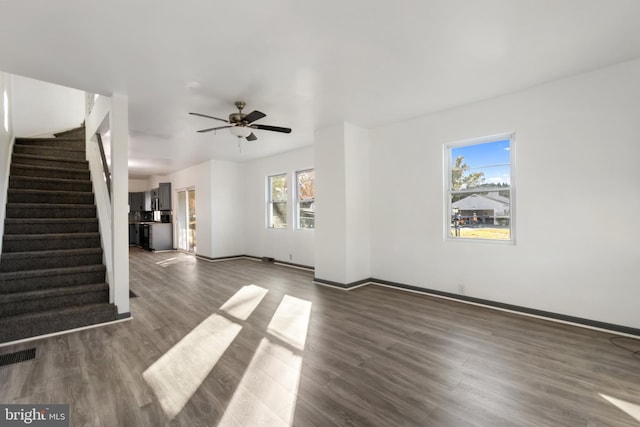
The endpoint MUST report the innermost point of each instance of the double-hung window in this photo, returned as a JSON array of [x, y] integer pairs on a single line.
[[479, 188], [277, 204], [305, 199]]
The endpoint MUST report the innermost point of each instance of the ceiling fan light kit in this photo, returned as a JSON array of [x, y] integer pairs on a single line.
[[240, 131], [241, 125]]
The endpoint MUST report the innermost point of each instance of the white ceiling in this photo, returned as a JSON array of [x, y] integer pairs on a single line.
[[306, 64]]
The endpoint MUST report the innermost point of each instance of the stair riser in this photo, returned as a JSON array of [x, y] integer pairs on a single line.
[[35, 283], [75, 144], [22, 183], [26, 245], [19, 196], [49, 303], [60, 152], [27, 171], [51, 212], [12, 329], [39, 263], [61, 227], [52, 163]]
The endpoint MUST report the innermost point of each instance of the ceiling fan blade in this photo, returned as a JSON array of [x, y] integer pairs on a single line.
[[251, 137], [210, 129], [272, 128], [253, 116], [209, 117]]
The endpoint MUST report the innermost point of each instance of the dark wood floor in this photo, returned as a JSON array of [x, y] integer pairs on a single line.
[[205, 348]]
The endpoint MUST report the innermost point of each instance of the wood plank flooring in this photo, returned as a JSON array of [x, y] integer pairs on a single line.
[[308, 355]]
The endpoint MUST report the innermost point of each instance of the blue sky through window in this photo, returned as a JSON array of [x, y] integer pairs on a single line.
[[492, 158]]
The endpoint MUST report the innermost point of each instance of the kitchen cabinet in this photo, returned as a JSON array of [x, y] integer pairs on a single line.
[[164, 196], [133, 232], [147, 201], [160, 237], [136, 202]]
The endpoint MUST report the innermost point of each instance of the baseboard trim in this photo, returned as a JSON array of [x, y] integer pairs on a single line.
[[222, 258], [343, 286], [255, 258]]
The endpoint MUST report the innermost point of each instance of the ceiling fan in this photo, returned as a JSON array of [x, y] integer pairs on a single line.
[[241, 124]]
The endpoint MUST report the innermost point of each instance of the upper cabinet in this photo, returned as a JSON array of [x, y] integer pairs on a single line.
[[164, 196], [136, 202]]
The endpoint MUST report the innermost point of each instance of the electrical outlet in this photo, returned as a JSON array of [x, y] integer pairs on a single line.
[[290, 257], [461, 289]]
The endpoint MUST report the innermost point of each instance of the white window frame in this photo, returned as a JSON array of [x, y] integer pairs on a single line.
[[448, 163], [271, 200], [299, 200]]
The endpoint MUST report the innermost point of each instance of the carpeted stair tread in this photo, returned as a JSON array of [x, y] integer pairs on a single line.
[[50, 241], [60, 148], [32, 168], [41, 183], [46, 225], [31, 324], [10, 275], [31, 158], [51, 258], [49, 253], [50, 210], [49, 236], [29, 195], [17, 297]]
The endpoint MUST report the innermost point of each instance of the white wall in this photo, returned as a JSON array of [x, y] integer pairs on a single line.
[[41, 108], [577, 196], [6, 144], [227, 209], [139, 185], [275, 243]]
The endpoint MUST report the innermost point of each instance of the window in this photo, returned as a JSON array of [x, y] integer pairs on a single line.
[[305, 199], [277, 209], [480, 189]]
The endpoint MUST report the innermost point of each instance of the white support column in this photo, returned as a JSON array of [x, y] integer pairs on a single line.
[[120, 199], [342, 232]]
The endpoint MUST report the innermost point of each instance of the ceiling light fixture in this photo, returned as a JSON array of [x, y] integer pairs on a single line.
[[240, 131]]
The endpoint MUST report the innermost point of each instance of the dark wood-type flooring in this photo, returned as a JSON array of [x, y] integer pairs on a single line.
[[205, 348]]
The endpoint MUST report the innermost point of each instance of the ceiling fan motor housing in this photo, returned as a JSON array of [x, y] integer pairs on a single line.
[[236, 118]]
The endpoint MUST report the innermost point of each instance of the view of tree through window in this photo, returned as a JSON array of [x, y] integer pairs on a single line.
[[277, 201], [480, 189], [306, 202]]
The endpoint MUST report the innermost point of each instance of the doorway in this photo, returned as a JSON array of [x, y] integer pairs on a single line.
[[187, 219]]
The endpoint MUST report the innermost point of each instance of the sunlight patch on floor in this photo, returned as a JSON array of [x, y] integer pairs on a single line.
[[267, 393], [631, 409], [177, 374]]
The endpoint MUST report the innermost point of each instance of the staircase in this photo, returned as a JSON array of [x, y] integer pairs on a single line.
[[52, 276]]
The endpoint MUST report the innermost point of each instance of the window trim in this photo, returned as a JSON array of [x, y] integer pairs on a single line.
[[298, 200], [447, 164], [271, 201]]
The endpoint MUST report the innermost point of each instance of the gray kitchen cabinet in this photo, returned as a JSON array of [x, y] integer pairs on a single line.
[[147, 201], [164, 196], [136, 202]]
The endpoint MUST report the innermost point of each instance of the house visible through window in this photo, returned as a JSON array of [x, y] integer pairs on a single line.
[[480, 189], [305, 199], [277, 209]]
